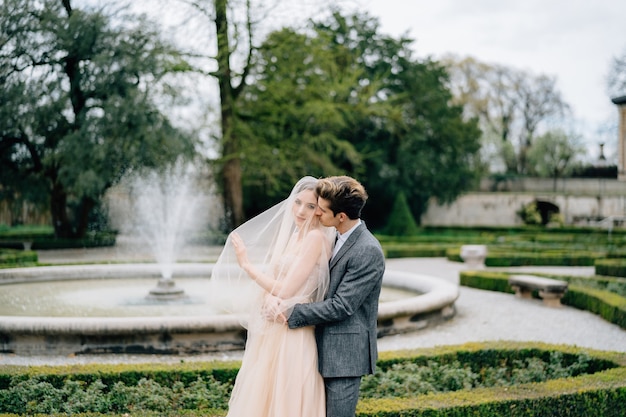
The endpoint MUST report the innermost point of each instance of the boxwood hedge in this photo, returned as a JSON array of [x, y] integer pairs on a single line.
[[599, 391]]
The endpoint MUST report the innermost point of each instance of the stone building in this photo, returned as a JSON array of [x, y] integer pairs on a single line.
[[621, 137], [577, 201]]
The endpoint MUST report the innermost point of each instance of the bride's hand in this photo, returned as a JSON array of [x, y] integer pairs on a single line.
[[272, 311], [240, 250]]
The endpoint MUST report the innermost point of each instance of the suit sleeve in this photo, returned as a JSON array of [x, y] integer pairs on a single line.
[[363, 273]]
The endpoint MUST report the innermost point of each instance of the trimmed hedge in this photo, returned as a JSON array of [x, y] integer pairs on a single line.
[[601, 391], [584, 232], [609, 306], [614, 267], [166, 374], [12, 257], [414, 250], [513, 246], [483, 280], [601, 394], [539, 256], [43, 238], [615, 285]]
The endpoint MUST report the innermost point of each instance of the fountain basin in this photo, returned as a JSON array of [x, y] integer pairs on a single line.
[[432, 302]]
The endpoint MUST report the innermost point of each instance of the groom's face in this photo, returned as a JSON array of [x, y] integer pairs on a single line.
[[325, 214]]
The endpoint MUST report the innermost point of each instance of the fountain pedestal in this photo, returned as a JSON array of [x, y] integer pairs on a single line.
[[166, 289]]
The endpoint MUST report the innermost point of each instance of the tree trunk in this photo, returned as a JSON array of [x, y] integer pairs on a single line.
[[82, 222], [231, 170], [58, 210], [61, 221]]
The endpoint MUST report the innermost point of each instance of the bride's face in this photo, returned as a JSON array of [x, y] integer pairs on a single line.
[[304, 207]]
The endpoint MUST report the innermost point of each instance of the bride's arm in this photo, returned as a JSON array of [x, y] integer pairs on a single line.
[[298, 272]]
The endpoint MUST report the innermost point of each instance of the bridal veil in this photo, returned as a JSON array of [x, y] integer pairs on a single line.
[[271, 239]]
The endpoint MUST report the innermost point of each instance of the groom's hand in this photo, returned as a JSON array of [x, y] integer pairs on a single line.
[[272, 310]]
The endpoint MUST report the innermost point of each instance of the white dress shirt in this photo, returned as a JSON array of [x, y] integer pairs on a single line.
[[341, 238]]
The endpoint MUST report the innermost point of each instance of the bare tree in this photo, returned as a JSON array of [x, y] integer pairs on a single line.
[[539, 99], [510, 104], [616, 80], [227, 34], [554, 154]]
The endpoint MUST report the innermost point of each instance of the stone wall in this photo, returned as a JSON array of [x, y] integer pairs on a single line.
[[568, 186], [494, 204], [500, 209], [18, 213]]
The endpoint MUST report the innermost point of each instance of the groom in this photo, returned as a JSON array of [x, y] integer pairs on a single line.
[[346, 320]]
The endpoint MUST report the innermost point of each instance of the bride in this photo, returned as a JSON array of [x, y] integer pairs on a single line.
[[284, 253]]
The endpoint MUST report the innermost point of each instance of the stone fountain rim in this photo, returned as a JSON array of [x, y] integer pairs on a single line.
[[435, 294]]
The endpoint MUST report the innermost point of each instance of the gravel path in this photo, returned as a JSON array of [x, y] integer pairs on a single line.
[[491, 316]]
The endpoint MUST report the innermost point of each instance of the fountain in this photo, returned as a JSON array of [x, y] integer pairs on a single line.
[[107, 308], [164, 208], [409, 302]]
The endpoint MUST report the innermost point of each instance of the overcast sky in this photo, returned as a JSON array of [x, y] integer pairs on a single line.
[[574, 40]]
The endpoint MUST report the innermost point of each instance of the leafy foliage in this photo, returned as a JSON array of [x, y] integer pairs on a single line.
[[79, 105], [33, 396], [399, 377], [342, 98], [530, 214], [553, 155], [406, 379]]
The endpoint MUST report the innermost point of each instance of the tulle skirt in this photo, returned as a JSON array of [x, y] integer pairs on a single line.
[[279, 376]]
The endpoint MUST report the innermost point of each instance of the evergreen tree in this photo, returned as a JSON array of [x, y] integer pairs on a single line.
[[401, 221]]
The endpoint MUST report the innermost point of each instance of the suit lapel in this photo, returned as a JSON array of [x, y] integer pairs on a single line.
[[347, 245]]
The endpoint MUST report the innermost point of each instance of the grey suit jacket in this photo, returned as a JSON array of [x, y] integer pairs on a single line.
[[346, 320]]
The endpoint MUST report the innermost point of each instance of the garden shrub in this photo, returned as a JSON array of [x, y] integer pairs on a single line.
[[414, 250], [401, 220], [611, 307], [512, 246], [92, 240], [441, 381], [43, 238], [614, 267], [409, 378], [483, 280], [599, 394], [530, 214], [13, 257], [533, 256], [615, 285], [37, 396]]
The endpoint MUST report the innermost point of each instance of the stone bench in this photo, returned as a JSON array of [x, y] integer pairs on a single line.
[[550, 290]]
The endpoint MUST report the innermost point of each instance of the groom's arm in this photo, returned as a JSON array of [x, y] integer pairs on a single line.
[[363, 274]]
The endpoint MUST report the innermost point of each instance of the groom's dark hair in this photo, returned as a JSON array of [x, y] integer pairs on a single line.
[[345, 195]]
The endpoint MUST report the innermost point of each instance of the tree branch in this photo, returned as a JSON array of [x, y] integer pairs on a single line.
[[67, 6], [246, 69]]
